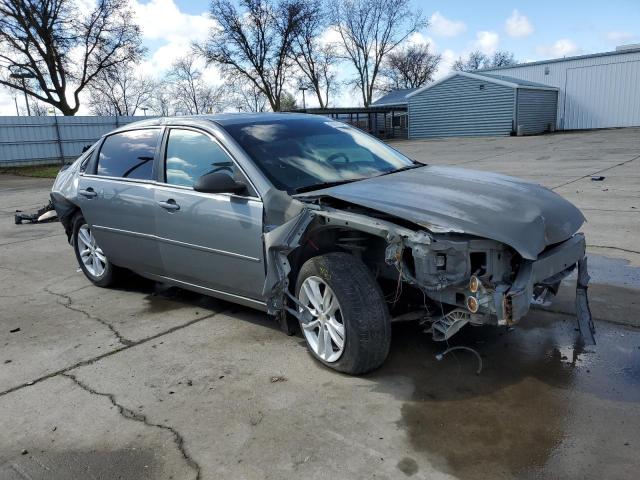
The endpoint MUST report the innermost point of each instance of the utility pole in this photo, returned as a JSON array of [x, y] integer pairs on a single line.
[[304, 103], [22, 76]]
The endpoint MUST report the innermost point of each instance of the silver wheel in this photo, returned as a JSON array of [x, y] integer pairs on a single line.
[[91, 254], [325, 334]]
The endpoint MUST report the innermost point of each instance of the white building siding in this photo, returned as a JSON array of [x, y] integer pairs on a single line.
[[601, 97]]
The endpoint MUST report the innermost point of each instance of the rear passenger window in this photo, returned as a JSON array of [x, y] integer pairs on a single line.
[[192, 154], [129, 154]]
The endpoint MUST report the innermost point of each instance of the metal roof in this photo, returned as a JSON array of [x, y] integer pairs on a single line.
[[394, 97], [511, 82], [370, 109], [519, 81], [563, 59]]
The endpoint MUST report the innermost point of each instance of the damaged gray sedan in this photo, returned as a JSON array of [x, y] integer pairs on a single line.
[[320, 225]]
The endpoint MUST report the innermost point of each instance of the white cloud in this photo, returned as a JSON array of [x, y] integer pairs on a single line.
[[163, 20], [561, 48], [448, 57], [517, 25], [617, 36], [487, 42], [418, 38], [440, 25]]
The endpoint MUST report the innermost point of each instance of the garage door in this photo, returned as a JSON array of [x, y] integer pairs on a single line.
[[603, 96]]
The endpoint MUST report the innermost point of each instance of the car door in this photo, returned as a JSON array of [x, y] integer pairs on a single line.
[[117, 200], [212, 240]]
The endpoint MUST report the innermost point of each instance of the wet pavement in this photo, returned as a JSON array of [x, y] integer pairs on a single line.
[[541, 407]]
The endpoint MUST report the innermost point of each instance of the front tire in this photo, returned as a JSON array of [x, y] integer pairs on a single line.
[[92, 260], [351, 327]]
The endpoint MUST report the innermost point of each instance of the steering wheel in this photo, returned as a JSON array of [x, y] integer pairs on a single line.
[[335, 156]]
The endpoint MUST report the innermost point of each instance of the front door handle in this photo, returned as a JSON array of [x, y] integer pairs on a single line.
[[89, 192], [169, 205]]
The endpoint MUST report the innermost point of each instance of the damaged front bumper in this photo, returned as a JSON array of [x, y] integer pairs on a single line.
[[548, 269]]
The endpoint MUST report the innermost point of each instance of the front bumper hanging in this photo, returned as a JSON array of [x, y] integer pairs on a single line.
[[583, 313]]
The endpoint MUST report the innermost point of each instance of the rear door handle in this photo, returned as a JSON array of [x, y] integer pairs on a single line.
[[89, 192], [169, 205]]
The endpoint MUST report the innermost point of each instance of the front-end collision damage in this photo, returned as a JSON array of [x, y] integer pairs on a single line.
[[474, 278]]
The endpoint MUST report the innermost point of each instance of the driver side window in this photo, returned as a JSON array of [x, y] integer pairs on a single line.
[[191, 154]]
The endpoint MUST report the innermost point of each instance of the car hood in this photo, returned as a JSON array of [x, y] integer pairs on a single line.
[[521, 214]]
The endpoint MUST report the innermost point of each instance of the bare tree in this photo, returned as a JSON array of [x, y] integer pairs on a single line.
[[253, 42], [119, 91], [62, 50], [315, 60], [475, 61], [39, 109], [246, 97], [478, 60], [161, 101], [411, 67], [288, 102], [192, 94], [369, 30], [503, 58]]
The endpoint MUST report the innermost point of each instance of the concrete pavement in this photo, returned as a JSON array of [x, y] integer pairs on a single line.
[[139, 383]]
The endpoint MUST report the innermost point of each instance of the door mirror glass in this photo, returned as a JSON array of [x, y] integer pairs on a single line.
[[218, 182]]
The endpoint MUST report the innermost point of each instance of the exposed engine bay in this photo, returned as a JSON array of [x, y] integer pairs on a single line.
[[444, 280]]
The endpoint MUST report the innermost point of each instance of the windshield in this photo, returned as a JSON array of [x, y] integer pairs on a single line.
[[298, 154]]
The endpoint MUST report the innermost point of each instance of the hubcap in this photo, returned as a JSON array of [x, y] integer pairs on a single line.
[[91, 254], [325, 333]]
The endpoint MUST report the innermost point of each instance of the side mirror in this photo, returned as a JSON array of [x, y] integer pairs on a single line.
[[218, 182]]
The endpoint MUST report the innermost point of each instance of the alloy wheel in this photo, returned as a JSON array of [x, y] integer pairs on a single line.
[[91, 254], [325, 333]]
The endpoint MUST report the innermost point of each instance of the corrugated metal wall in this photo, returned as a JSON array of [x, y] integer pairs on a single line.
[[460, 107], [40, 140], [590, 97], [536, 110]]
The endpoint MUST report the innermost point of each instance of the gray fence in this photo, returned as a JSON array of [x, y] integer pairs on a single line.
[[49, 140]]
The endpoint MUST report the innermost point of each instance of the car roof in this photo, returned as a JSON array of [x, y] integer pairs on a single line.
[[222, 119]]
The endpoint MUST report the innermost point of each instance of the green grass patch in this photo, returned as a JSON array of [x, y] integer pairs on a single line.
[[39, 171]]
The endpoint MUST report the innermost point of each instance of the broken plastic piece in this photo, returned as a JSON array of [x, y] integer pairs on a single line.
[[44, 214], [583, 313]]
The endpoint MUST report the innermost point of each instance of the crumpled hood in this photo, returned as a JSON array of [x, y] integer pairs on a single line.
[[521, 214]]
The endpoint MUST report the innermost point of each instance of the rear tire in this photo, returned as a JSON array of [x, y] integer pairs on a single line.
[[351, 327], [93, 262]]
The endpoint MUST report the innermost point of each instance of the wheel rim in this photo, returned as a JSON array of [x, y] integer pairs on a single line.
[[91, 254], [325, 333]]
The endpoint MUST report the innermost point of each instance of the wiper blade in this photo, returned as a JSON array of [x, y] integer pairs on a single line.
[[319, 186], [408, 167]]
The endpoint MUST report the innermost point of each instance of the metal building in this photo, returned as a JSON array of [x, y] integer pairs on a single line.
[[469, 104], [601, 90]]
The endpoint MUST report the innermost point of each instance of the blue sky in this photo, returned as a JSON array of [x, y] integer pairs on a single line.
[[532, 30], [587, 25]]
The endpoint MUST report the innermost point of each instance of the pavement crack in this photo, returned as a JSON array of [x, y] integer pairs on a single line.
[[44, 237], [68, 304], [139, 417], [92, 360], [595, 173], [614, 248]]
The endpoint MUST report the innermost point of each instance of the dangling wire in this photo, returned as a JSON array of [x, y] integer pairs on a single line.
[[440, 356]]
